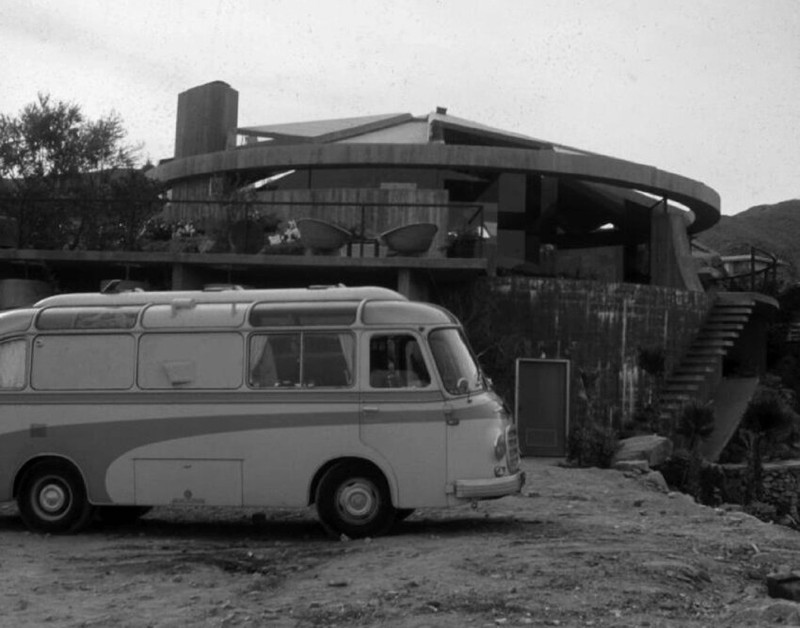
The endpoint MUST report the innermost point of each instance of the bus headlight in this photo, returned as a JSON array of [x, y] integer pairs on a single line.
[[500, 447]]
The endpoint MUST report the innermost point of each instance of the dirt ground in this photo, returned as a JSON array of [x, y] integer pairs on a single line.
[[579, 547]]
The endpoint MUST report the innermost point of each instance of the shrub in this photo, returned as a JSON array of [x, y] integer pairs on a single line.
[[695, 422], [590, 445]]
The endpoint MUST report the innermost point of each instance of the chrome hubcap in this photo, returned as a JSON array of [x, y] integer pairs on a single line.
[[52, 498], [357, 501]]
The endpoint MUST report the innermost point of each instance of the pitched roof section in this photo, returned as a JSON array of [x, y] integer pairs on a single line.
[[487, 133], [325, 131], [350, 129]]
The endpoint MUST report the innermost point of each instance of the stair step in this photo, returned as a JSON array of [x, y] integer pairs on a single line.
[[681, 388], [723, 326], [706, 351], [693, 369], [729, 298], [731, 310], [726, 318], [676, 378], [707, 334], [673, 400], [708, 360], [712, 342]]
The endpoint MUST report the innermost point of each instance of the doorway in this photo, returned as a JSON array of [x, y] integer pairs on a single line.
[[542, 406]]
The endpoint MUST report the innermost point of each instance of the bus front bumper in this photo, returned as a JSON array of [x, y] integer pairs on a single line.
[[486, 489]]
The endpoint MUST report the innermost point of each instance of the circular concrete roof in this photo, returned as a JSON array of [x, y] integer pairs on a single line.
[[266, 158]]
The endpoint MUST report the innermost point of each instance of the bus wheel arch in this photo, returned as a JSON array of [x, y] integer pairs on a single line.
[[353, 497], [51, 496]]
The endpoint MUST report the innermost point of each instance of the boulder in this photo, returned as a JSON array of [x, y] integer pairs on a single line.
[[655, 482], [784, 585], [635, 467], [652, 448]]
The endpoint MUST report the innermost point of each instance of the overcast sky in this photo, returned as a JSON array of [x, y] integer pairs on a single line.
[[709, 89]]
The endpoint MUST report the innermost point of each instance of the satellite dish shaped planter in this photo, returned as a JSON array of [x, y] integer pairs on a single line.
[[413, 239], [319, 236]]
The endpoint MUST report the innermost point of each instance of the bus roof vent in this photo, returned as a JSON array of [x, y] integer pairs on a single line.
[[183, 303], [221, 287], [326, 286]]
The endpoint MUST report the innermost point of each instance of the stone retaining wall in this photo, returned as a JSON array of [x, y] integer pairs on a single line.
[[600, 327], [780, 481]]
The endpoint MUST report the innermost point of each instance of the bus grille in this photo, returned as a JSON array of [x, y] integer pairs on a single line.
[[513, 449]]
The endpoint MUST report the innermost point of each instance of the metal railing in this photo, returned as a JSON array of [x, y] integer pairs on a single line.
[[210, 225], [761, 274]]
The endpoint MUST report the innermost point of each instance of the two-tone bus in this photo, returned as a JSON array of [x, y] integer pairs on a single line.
[[356, 400]]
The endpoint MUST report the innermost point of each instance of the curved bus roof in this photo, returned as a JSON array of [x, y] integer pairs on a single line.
[[232, 295]]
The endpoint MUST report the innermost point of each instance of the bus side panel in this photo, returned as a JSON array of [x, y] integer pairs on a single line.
[[407, 429], [269, 466], [281, 436]]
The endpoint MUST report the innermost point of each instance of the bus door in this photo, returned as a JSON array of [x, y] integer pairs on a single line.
[[402, 416]]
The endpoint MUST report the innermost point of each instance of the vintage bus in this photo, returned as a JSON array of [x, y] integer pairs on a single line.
[[356, 400]]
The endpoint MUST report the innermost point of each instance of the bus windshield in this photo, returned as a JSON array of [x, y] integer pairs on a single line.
[[457, 367]]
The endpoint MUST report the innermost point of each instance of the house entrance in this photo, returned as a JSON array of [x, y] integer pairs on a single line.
[[542, 406]]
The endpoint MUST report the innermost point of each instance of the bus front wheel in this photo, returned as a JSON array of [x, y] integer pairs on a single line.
[[354, 500], [52, 499]]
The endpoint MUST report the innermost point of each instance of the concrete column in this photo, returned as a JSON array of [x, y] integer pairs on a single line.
[[185, 277], [412, 285], [511, 238], [671, 262]]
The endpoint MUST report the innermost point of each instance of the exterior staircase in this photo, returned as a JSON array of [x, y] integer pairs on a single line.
[[699, 373]]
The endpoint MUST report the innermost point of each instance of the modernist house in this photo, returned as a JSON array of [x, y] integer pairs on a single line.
[[588, 256], [497, 201]]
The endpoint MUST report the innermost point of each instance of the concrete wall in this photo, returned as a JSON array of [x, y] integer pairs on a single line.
[[671, 262], [207, 115], [599, 327]]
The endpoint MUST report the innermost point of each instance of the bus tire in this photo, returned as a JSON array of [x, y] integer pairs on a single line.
[[52, 499], [354, 500]]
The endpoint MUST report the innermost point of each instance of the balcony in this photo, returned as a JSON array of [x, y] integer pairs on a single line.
[[244, 241]]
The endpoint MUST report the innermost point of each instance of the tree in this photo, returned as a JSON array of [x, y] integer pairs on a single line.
[[72, 182]]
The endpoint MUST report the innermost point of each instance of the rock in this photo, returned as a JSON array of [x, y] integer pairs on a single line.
[[653, 448], [784, 585], [655, 481], [636, 466]]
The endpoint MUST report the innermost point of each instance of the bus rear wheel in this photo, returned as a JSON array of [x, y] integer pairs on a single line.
[[52, 499], [354, 500]]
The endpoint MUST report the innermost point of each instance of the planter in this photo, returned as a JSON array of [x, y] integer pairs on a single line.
[[413, 239], [323, 237], [247, 237]]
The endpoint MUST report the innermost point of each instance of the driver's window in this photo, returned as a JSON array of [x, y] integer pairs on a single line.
[[395, 361]]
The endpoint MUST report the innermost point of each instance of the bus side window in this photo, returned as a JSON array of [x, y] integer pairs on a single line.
[[418, 372], [275, 360], [396, 362], [327, 359], [13, 359]]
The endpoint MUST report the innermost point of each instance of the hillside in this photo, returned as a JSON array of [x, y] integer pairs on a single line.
[[579, 547], [773, 228]]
